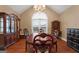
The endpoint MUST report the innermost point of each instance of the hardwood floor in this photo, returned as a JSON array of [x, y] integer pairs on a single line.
[[19, 47], [63, 48]]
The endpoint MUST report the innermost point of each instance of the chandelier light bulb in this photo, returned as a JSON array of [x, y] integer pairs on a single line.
[[39, 7]]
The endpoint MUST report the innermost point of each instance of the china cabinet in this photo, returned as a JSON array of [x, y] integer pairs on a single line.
[[55, 30], [9, 29]]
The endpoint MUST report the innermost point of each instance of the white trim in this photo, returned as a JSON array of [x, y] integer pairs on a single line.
[[64, 39]]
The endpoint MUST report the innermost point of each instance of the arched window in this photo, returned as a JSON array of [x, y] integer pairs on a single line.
[[39, 21]]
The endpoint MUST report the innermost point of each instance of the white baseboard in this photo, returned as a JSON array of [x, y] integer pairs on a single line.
[[64, 39]]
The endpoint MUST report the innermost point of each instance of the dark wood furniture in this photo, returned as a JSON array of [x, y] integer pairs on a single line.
[[55, 30], [42, 45], [9, 29], [73, 38], [26, 33]]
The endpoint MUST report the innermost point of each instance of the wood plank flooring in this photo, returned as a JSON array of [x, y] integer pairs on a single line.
[[19, 47]]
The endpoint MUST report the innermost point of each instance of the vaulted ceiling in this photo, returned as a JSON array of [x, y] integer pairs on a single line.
[[58, 8]]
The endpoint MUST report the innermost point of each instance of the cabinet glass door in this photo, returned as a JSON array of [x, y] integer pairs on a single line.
[[1, 24], [7, 24], [12, 24]]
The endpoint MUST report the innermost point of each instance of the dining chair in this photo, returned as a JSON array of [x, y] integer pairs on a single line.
[[44, 43]]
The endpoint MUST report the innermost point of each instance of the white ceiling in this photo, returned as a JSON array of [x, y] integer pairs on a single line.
[[59, 8], [21, 8]]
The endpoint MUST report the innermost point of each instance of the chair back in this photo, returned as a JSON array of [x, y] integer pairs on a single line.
[[43, 45], [26, 32]]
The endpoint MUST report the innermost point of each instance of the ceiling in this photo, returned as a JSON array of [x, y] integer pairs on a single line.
[[21, 8], [59, 8]]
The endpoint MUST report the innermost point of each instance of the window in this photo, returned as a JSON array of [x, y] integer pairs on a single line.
[[1, 24], [39, 21]]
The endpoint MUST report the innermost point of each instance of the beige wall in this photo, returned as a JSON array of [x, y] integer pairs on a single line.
[[5, 8], [69, 19], [26, 19]]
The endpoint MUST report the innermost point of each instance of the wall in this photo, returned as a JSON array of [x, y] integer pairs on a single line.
[[26, 19], [69, 19], [5, 8]]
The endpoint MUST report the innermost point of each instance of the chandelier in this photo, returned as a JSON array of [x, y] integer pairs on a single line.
[[39, 7]]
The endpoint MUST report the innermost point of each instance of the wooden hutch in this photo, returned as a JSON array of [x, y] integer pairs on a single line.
[[55, 30], [9, 29]]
